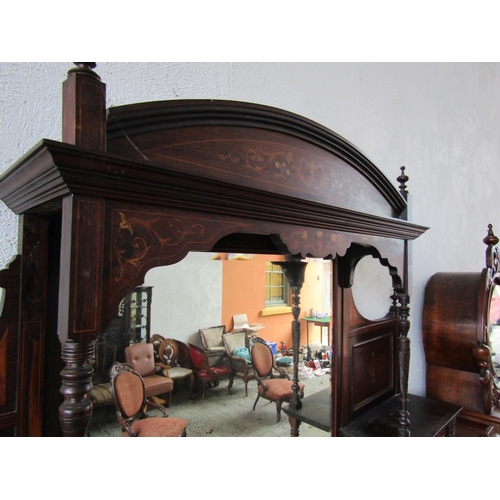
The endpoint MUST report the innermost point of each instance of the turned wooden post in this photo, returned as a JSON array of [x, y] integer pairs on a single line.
[[84, 108], [80, 289], [294, 271], [76, 410], [404, 363]]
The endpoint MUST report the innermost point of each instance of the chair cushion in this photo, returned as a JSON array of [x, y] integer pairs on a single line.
[[279, 388], [217, 348], [243, 352], [178, 372], [222, 370], [158, 427], [203, 374], [101, 394], [157, 384]]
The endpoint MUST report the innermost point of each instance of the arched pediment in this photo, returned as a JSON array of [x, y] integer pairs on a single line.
[[253, 146]]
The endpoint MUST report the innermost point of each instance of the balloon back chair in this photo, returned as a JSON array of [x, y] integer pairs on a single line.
[[129, 396], [207, 374], [170, 354], [273, 383], [156, 340], [141, 358]]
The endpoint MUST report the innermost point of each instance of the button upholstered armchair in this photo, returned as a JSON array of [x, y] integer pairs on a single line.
[[141, 358]]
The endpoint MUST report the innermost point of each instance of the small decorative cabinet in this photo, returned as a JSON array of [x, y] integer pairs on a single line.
[[135, 309]]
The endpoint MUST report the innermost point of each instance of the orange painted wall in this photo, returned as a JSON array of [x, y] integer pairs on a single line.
[[243, 291], [312, 297]]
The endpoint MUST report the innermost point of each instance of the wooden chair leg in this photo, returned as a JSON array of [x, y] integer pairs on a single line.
[[231, 381], [191, 386], [255, 404], [278, 410]]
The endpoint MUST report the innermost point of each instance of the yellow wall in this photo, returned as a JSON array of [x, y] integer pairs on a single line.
[[312, 297], [243, 291]]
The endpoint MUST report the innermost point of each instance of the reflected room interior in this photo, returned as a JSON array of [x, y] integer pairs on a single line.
[[208, 289]]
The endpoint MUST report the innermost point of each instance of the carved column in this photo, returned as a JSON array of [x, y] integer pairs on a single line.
[[294, 271], [76, 410], [404, 363], [81, 268]]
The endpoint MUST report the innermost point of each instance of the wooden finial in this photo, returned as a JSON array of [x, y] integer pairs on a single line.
[[490, 238], [492, 256], [84, 108], [402, 179], [86, 65]]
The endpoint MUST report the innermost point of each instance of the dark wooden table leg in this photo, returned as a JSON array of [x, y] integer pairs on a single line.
[[449, 430], [294, 426]]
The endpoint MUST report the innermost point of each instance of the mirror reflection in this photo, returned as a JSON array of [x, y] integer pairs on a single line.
[[372, 288], [494, 331], [240, 296]]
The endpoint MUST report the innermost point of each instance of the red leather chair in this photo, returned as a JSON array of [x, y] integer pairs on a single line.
[[207, 374], [274, 384]]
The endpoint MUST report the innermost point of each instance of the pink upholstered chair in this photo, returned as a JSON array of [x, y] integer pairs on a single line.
[[129, 396], [141, 358], [274, 384], [207, 374]]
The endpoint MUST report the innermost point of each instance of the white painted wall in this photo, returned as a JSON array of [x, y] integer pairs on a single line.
[[187, 296], [440, 120]]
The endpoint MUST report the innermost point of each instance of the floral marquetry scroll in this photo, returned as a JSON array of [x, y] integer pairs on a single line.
[[146, 239]]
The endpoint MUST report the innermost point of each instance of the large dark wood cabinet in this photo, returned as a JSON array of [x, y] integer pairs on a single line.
[[134, 187], [461, 335]]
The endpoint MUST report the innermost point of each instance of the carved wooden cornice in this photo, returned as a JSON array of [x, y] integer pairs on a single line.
[[52, 170]]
